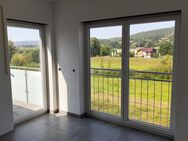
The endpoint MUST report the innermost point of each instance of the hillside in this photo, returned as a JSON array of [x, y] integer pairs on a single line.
[[153, 34], [26, 43], [142, 39], [112, 42]]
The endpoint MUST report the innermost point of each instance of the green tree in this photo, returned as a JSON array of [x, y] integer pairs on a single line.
[[33, 55], [95, 46], [12, 49], [133, 45], [104, 50], [115, 44], [19, 60], [166, 48], [149, 44], [140, 43], [167, 63]]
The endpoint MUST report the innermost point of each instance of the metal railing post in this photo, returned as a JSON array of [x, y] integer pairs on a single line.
[[26, 84]]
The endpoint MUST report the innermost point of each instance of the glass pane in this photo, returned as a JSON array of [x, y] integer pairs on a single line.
[[105, 61], [26, 73], [150, 72]]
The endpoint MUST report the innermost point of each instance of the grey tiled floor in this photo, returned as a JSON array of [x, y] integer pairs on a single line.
[[66, 128]]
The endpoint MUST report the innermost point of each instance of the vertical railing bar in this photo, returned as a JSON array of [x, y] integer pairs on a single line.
[[108, 94], [117, 97], [168, 108], [135, 99], [94, 91], [161, 102], [147, 99], [154, 105], [98, 94], [103, 91], [113, 95], [141, 101]]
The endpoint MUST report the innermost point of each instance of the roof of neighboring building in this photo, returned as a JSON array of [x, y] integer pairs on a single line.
[[148, 50]]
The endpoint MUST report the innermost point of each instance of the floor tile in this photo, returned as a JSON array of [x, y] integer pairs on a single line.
[[67, 128]]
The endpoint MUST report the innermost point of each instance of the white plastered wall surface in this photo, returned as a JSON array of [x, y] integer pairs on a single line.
[[69, 15], [6, 116], [38, 11]]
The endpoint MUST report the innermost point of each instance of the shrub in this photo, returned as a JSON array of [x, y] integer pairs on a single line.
[[155, 55], [164, 67], [102, 63], [19, 60], [131, 54], [166, 48], [33, 55], [104, 51], [26, 57]]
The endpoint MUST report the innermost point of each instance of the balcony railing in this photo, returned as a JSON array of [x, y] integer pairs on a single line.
[[149, 95], [27, 85], [106, 91]]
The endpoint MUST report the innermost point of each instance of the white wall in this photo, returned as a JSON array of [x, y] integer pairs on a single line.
[[6, 115], [68, 17], [39, 11]]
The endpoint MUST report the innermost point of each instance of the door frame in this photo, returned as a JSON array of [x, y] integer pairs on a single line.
[[126, 22], [43, 60], [149, 19], [88, 108]]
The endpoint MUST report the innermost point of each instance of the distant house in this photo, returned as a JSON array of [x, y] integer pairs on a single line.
[[116, 52], [145, 52], [132, 50]]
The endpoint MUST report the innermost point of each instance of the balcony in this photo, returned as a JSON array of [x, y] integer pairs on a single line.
[[27, 92]]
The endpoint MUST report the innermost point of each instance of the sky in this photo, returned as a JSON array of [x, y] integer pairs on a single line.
[[22, 34], [116, 31], [26, 34]]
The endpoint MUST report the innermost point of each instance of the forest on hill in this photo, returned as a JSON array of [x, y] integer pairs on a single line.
[[143, 39], [161, 39]]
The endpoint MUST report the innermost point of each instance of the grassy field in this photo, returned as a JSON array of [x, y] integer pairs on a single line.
[[149, 100], [115, 63]]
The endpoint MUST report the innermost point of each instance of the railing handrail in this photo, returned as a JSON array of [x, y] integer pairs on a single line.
[[24, 68], [148, 72], [106, 69], [150, 79]]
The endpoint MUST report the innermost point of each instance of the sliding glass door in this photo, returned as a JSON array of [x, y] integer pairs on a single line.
[[131, 71], [151, 71], [27, 67], [105, 48]]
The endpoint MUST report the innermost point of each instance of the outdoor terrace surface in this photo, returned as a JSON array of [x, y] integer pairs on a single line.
[[22, 110]]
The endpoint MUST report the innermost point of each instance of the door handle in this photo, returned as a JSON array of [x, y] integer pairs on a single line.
[[12, 75]]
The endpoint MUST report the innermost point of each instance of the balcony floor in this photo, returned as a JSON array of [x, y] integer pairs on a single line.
[[67, 128], [22, 110]]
